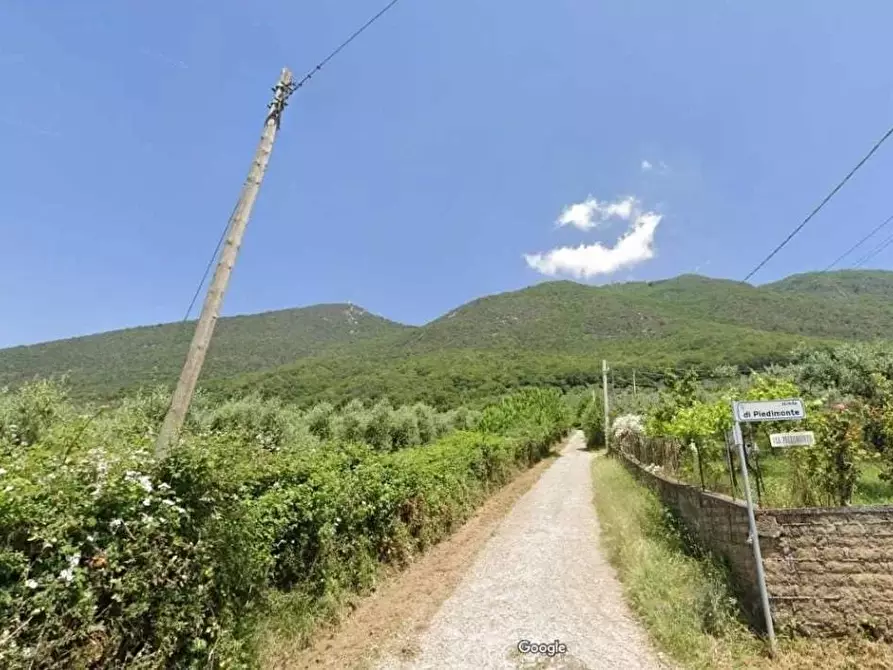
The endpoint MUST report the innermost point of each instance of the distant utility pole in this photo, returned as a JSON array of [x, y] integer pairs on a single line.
[[182, 397], [605, 392]]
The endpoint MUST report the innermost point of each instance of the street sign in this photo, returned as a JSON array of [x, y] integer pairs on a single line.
[[805, 438], [789, 409]]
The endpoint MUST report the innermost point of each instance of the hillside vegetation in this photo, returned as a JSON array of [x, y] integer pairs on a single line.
[[554, 333], [108, 363]]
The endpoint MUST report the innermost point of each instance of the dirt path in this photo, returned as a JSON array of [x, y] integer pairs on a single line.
[[390, 620], [541, 578]]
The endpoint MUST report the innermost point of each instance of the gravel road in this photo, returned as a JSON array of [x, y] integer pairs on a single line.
[[541, 577]]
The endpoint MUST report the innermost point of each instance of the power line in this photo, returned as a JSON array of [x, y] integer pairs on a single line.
[[828, 197], [874, 252], [859, 243], [198, 289], [307, 77]]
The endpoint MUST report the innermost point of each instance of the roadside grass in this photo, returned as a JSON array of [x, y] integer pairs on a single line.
[[683, 598]]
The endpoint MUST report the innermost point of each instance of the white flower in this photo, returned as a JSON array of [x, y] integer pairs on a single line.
[[73, 560], [147, 502], [164, 487], [90, 538], [114, 523], [67, 575], [7, 489], [146, 483], [169, 503], [31, 583], [627, 425], [2, 471]]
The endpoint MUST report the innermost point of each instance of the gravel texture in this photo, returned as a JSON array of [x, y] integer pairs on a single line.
[[541, 577]]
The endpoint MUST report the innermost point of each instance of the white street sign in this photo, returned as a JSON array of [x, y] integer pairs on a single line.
[[789, 409], [805, 438]]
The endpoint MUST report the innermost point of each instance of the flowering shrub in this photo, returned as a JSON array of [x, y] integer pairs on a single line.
[[627, 426]]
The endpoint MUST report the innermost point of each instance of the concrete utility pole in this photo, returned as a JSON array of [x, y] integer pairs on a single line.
[[607, 412], [182, 397]]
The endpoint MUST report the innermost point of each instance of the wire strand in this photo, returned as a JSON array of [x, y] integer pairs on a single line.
[[874, 252], [198, 289], [859, 243], [828, 197], [307, 77]]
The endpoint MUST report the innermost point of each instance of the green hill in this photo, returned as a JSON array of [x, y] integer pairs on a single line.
[[554, 332], [843, 283], [108, 363]]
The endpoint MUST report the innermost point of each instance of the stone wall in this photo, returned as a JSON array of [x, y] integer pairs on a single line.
[[829, 572]]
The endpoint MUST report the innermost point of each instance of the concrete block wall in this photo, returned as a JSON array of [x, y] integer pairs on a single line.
[[829, 571]]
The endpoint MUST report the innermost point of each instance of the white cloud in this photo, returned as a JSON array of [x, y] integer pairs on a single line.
[[590, 213], [646, 165], [634, 247]]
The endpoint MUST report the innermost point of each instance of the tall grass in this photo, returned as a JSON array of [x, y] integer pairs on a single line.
[[683, 601]]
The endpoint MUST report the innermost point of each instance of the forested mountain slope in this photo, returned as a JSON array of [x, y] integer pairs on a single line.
[[554, 332]]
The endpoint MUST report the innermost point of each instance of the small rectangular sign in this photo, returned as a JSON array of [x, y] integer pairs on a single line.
[[805, 438], [789, 409]]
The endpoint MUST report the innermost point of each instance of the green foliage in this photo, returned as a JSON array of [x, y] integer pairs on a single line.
[[679, 392], [528, 411], [828, 471], [26, 416], [593, 423], [319, 420], [109, 558]]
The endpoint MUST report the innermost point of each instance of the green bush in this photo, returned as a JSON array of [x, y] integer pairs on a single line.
[[593, 424], [528, 410], [319, 420]]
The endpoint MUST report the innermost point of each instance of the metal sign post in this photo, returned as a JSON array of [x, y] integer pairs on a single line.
[[790, 409]]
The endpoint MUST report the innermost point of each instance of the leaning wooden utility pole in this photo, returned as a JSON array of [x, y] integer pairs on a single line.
[[182, 397]]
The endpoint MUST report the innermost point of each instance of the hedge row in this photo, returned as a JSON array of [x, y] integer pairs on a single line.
[[109, 558]]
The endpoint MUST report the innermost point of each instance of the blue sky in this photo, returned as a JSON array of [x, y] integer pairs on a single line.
[[417, 171]]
